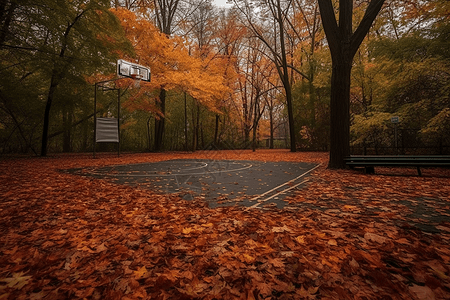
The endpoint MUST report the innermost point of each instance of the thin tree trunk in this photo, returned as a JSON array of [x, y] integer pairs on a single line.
[[216, 131], [197, 127], [160, 123], [186, 147], [271, 128], [286, 80], [53, 84], [149, 137], [67, 125]]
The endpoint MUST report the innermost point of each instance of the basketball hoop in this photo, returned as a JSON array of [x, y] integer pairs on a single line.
[[132, 70], [137, 80]]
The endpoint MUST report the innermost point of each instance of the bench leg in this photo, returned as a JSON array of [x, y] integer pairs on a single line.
[[418, 171], [369, 170]]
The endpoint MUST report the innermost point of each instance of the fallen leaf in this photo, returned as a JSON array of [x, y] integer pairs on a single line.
[[18, 280], [141, 272], [300, 239], [374, 237], [187, 230], [422, 292], [332, 242], [276, 262], [281, 229]]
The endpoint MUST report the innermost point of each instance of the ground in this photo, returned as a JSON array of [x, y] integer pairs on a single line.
[[342, 235]]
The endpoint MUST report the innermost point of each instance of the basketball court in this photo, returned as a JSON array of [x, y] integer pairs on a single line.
[[253, 184]]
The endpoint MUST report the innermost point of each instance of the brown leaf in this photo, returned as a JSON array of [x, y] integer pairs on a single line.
[[422, 292], [374, 237], [276, 262]]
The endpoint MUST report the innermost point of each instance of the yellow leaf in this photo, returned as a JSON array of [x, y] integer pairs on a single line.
[[300, 239], [141, 272], [18, 281], [246, 258], [187, 230]]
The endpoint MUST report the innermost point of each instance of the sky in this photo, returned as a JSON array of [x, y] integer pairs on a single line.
[[221, 3]]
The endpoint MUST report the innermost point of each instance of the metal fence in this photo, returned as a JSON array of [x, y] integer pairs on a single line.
[[402, 142]]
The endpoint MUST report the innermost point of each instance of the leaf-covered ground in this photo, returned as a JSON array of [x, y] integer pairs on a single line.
[[346, 235]]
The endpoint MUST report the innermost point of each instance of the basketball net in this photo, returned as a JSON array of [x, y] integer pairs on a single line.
[[137, 80]]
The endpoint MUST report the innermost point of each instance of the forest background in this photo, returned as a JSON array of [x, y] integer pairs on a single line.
[[216, 79]]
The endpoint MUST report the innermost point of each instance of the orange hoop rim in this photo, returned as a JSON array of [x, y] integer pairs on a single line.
[[136, 76]]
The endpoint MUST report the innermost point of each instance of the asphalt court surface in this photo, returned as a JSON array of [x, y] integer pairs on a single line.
[[254, 184]]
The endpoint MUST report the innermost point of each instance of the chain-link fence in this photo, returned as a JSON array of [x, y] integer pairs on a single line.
[[402, 141]]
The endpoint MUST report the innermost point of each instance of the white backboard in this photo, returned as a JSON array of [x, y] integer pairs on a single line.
[[132, 70]]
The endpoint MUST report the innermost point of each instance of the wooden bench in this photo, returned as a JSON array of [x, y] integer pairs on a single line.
[[369, 162]]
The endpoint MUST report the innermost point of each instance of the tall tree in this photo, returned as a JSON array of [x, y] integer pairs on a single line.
[[73, 36], [275, 40], [172, 66], [165, 11], [343, 43]]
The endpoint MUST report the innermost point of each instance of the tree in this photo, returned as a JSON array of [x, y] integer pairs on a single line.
[[272, 34], [172, 69], [73, 37], [343, 43]]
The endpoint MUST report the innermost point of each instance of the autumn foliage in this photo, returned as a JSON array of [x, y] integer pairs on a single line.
[[346, 235], [171, 64]]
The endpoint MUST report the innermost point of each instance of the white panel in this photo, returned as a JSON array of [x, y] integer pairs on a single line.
[[127, 69], [107, 130]]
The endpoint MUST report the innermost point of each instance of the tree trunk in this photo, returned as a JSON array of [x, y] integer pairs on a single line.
[[197, 127], [53, 84], [202, 135], [340, 115], [255, 129], [255, 124], [57, 75], [196, 122], [186, 147], [149, 137], [216, 132], [286, 81], [271, 128], [291, 118], [67, 125], [160, 123], [343, 45]]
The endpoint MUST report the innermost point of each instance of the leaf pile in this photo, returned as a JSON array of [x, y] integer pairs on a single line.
[[346, 235]]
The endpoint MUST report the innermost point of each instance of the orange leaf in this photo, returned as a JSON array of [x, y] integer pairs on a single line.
[[276, 262], [332, 242], [141, 272]]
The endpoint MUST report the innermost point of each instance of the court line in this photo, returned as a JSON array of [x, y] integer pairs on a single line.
[[277, 194], [287, 182], [203, 166], [283, 191], [168, 175]]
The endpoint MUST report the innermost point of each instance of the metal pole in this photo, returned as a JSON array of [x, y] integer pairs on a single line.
[[118, 121], [95, 117], [396, 138]]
